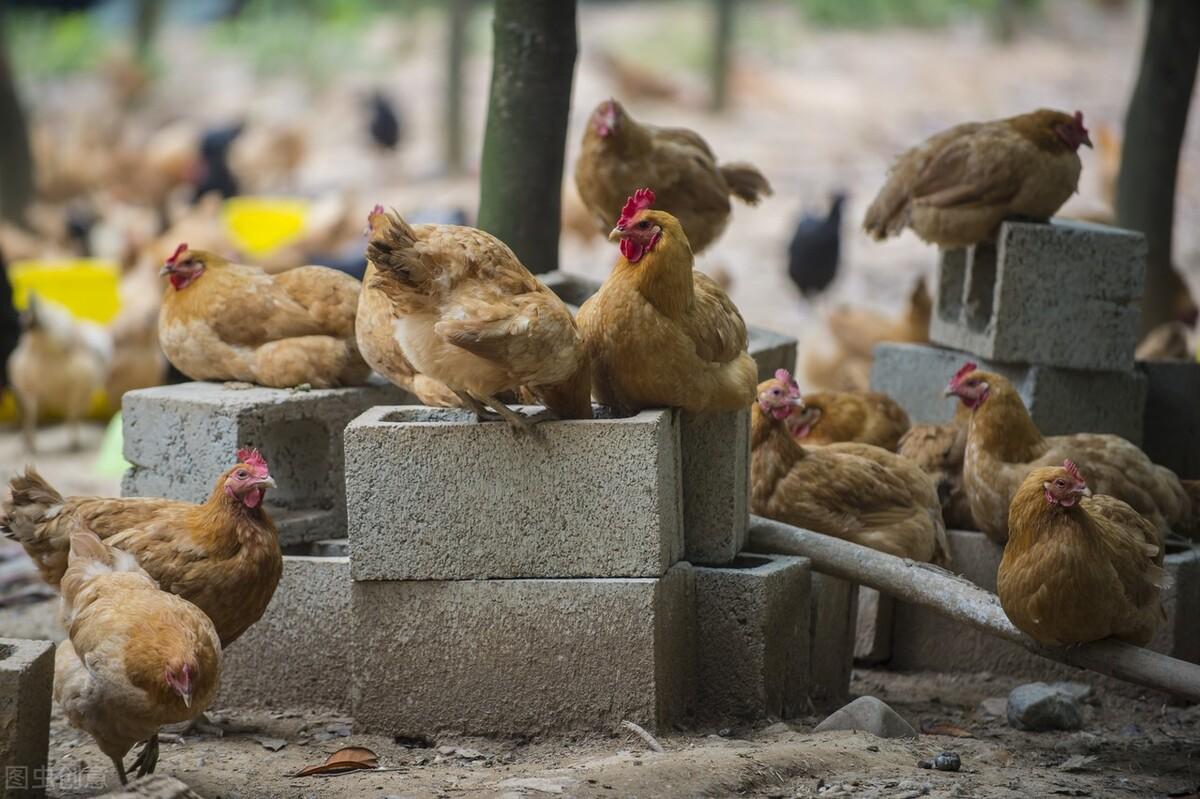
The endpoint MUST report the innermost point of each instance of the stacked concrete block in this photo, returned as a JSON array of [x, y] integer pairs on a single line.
[[770, 350], [832, 626], [296, 655], [179, 439], [925, 640], [715, 452], [1171, 433], [1061, 294], [873, 631], [1060, 401], [753, 638], [26, 679]]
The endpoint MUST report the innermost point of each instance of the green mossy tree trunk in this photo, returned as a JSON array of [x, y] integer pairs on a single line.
[[16, 159], [458, 14], [533, 64], [722, 44], [1154, 128]]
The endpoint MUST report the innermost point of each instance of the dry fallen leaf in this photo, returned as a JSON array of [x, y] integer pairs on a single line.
[[274, 744], [348, 758], [945, 728], [1077, 763]]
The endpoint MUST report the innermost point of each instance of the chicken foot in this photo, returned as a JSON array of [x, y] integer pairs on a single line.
[[147, 759], [519, 422]]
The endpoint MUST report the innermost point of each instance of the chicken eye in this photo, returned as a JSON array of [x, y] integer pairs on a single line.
[[241, 474], [1059, 482], [643, 224]]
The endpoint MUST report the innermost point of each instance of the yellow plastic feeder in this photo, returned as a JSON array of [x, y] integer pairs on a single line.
[[260, 225]]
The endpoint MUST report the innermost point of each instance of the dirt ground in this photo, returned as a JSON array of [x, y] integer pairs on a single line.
[[1128, 747]]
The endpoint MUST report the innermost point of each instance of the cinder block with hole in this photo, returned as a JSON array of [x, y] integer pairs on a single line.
[[179, 439], [296, 654], [26, 681], [1060, 401], [752, 638], [522, 657], [715, 451], [435, 494], [1059, 294]]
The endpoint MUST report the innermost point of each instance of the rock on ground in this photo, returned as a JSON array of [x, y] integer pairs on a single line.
[[1037, 706], [868, 714]]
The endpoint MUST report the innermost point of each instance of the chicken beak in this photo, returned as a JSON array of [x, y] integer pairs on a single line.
[[186, 696], [1085, 491], [616, 234], [949, 392], [165, 270], [797, 402], [267, 482]]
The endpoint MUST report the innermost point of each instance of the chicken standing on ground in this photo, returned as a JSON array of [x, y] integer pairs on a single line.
[[1079, 567], [59, 364], [226, 321], [857, 492], [955, 188], [223, 555], [939, 449], [619, 155], [661, 334], [136, 658], [1004, 446], [868, 417], [467, 313]]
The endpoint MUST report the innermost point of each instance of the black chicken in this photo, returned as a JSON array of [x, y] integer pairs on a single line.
[[384, 124], [214, 173], [815, 249], [10, 322]]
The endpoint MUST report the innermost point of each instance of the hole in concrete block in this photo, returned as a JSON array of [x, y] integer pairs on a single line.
[[423, 414], [951, 276], [981, 286], [6, 651], [298, 453], [572, 292], [747, 562]]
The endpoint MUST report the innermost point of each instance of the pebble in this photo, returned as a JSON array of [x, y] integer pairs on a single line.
[[868, 714], [1037, 707]]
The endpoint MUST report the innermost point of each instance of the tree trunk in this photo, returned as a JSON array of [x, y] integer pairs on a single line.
[[523, 147], [966, 603], [722, 42], [458, 15], [147, 15], [16, 159], [1154, 128]]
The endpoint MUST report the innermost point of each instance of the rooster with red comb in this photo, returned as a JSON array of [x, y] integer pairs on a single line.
[[659, 333]]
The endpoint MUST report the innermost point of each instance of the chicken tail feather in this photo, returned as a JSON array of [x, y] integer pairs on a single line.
[[1191, 527], [746, 182], [33, 502], [888, 214], [392, 250]]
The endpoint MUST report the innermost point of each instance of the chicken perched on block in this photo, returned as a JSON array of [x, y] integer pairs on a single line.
[[955, 188], [136, 658], [1079, 567], [661, 334], [226, 321], [939, 449], [620, 154], [1004, 446], [222, 555], [58, 365], [466, 313], [867, 417], [857, 492]]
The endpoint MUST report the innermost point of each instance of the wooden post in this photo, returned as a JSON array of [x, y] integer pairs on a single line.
[[722, 43], [524, 144], [16, 158], [458, 14], [1154, 128]]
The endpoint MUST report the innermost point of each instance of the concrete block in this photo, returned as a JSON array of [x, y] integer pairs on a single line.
[[924, 640], [1061, 401], [1061, 294], [297, 655], [1171, 432], [436, 495], [26, 682], [180, 438], [715, 451], [770, 350], [873, 631], [522, 657], [833, 620], [752, 638]]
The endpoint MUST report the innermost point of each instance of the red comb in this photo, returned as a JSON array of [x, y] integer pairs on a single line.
[[180, 250], [966, 369], [785, 377], [1072, 469], [641, 200], [378, 209], [254, 459]]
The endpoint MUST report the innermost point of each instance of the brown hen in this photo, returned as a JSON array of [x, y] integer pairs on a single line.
[[868, 417]]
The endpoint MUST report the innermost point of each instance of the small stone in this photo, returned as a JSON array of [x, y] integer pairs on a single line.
[[924, 764], [868, 714], [994, 706], [872, 748], [724, 732], [470, 754], [1076, 690], [776, 729], [947, 761], [1038, 707], [447, 751], [1131, 731]]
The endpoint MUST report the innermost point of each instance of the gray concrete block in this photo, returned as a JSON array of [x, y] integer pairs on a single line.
[[752, 638], [1171, 431], [1061, 294], [180, 438], [436, 495], [925, 640], [770, 350], [297, 654], [26, 682], [1061, 401], [715, 451], [522, 657], [832, 625], [873, 632]]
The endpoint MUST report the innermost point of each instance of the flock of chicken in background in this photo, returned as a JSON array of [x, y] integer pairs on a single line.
[[450, 314]]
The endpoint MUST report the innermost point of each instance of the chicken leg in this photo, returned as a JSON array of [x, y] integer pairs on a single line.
[[147, 759]]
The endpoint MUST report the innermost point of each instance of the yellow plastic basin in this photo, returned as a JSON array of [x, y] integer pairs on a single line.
[[260, 225]]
